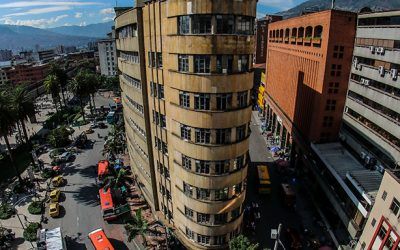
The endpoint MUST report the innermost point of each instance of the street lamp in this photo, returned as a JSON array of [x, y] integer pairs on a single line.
[[22, 224]]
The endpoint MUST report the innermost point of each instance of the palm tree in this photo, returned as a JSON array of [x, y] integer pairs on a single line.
[[138, 226], [7, 122], [23, 107], [78, 86], [62, 77], [52, 86]]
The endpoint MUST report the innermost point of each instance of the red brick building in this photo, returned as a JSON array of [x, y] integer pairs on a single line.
[[27, 73], [308, 65]]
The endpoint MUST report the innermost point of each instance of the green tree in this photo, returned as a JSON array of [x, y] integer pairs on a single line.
[[7, 121], [241, 242], [138, 226], [59, 137], [62, 77], [52, 86], [23, 107], [78, 86]]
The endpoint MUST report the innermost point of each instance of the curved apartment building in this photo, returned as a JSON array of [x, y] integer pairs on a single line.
[[188, 122]]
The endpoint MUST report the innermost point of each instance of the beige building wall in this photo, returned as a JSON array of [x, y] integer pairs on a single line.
[[382, 230]]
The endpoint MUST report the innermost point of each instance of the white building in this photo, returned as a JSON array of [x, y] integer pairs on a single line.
[[108, 55]]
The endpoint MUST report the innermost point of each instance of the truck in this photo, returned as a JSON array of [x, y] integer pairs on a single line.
[[51, 239]]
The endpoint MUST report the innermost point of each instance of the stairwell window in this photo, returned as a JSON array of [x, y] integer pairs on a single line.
[[221, 194], [244, 25], [189, 212], [225, 24], [203, 239], [185, 132], [203, 218], [202, 167], [189, 233], [243, 63], [203, 135], [238, 163], [221, 167], [242, 99], [224, 101], [240, 133], [201, 24], [188, 189], [186, 162], [202, 64], [223, 136], [202, 101], [184, 24], [183, 63], [184, 99], [203, 194], [159, 60]]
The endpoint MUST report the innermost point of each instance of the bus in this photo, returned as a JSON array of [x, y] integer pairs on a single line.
[[264, 181], [107, 204], [111, 116], [100, 240], [102, 169]]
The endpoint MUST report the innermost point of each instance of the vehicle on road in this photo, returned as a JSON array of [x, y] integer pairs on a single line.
[[111, 116], [54, 209], [66, 156], [57, 181], [93, 125], [264, 181], [102, 169], [51, 239], [107, 204], [55, 195], [89, 131], [54, 153], [100, 240], [288, 195]]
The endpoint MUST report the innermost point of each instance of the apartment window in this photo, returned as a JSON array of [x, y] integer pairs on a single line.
[[203, 135], [333, 88], [168, 193], [237, 188], [202, 101], [395, 206], [219, 64], [202, 64], [203, 218], [373, 222], [238, 163], [382, 232], [189, 233], [225, 24], [189, 212], [159, 60], [201, 24], [242, 99], [188, 189], [338, 51], [243, 63], [203, 194], [203, 239], [244, 25], [219, 240], [221, 194], [224, 101], [183, 63], [221, 167], [184, 99], [162, 189], [336, 70], [240, 133], [330, 105], [328, 122], [223, 136], [152, 59], [186, 162], [220, 218], [167, 175], [185, 132], [229, 63], [184, 24], [384, 195], [203, 167]]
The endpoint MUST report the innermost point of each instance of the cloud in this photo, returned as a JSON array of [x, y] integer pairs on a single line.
[[78, 15], [82, 24], [279, 4], [40, 23], [107, 11], [46, 3], [106, 19], [39, 11]]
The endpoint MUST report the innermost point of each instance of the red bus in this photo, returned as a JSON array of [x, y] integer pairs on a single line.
[[107, 204], [100, 240], [102, 169]]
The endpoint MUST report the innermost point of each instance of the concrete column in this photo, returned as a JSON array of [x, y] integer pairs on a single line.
[[191, 64], [213, 64]]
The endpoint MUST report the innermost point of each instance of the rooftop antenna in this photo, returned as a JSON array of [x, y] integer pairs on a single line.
[[333, 4], [116, 3]]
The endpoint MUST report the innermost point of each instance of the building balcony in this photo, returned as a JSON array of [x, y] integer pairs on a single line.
[[372, 73], [381, 142], [293, 40], [377, 32], [383, 98], [307, 40], [131, 69], [390, 55], [385, 122], [317, 41]]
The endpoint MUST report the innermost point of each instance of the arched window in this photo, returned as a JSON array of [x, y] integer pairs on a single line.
[[281, 33], [287, 32], [318, 31], [294, 32], [301, 32], [309, 32], [270, 34]]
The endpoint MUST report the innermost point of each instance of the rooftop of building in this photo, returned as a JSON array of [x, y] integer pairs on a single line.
[[395, 174], [344, 165], [383, 13]]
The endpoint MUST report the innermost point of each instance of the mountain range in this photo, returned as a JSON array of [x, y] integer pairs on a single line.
[[350, 5], [16, 37]]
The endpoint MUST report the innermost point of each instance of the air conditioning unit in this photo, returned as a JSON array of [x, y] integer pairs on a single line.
[[224, 71], [366, 82], [381, 71], [394, 73], [355, 62], [380, 50], [372, 49]]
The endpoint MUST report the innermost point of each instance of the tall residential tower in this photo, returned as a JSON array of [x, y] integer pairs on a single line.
[[186, 78]]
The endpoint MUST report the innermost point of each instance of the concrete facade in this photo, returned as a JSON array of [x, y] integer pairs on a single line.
[[372, 113], [108, 55], [187, 125], [382, 230]]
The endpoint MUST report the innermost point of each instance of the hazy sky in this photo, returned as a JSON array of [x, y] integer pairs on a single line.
[[52, 13]]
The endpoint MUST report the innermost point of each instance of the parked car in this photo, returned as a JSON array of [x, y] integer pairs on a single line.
[[66, 156], [93, 125], [57, 181], [55, 195], [54, 209]]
